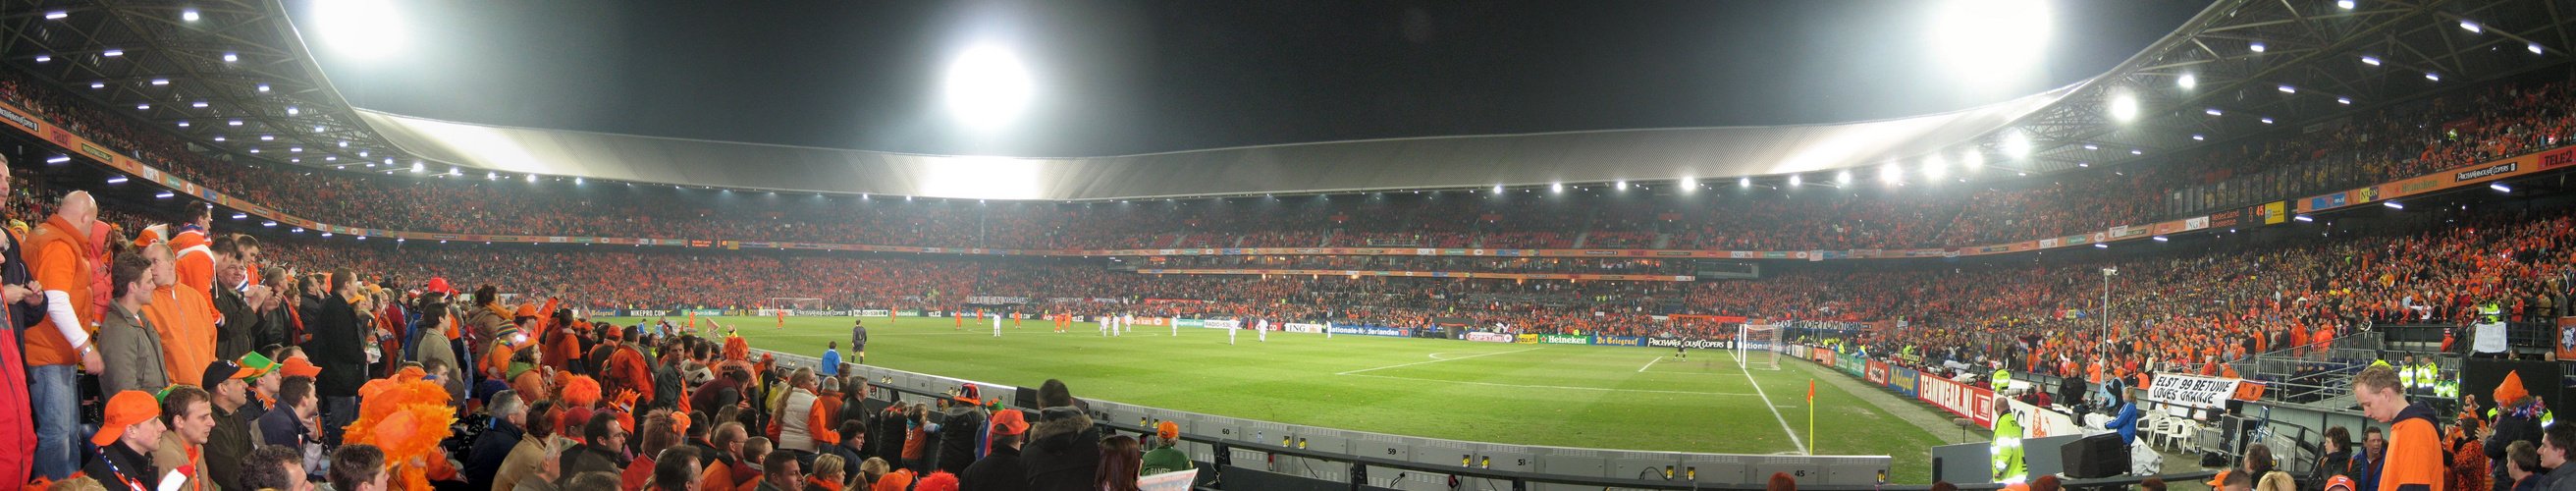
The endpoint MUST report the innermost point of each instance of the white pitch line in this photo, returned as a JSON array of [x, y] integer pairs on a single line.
[[1490, 384], [1775, 412], [1649, 364], [1432, 361]]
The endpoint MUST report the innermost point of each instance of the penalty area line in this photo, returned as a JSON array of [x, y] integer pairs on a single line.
[[1432, 361], [1649, 364], [1561, 387]]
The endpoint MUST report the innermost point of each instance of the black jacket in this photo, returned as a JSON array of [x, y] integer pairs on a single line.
[[114, 459], [2508, 429], [339, 346], [240, 330], [958, 436], [483, 460], [1002, 470], [1062, 452]]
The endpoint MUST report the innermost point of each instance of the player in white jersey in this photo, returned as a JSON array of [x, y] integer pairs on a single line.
[[1229, 334], [1264, 326], [997, 325]]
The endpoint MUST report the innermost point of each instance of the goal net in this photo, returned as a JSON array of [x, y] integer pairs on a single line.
[[789, 305], [1757, 346]]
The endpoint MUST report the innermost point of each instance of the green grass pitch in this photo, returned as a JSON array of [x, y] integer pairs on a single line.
[[1611, 397]]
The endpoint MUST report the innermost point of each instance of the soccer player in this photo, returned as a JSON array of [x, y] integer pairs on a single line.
[[1229, 333], [782, 318], [997, 325], [960, 317], [1264, 327], [1015, 320]]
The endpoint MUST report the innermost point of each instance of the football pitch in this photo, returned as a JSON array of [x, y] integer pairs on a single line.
[[1611, 397]]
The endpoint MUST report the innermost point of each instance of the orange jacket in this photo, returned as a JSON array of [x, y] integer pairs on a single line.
[[196, 263], [2414, 461], [186, 321], [61, 255]]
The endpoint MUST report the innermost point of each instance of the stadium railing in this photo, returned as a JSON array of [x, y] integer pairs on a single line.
[[1354, 458]]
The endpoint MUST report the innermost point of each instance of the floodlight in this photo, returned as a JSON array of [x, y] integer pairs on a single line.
[[2187, 81], [986, 87], [1842, 177], [2433, 76], [365, 29], [2289, 90], [2344, 4], [1889, 173], [2499, 187], [189, 15], [2255, 47], [1556, 187], [1934, 167], [1744, 182], [46, 58], [1498, 188], [2017, 144], [113, 53], [232, 57], [1793, 180], [1622, 184], [2267, 120], [2343, 100], [2392, 204], [116, 180], [2124, 107], [1992, 41], [98, 85], [160, 81], [57, 159], [2472, 27], [2534, 47], [416, 167], [57, 15], [291, 111], [198, 104], [143, 106], [532, 178]]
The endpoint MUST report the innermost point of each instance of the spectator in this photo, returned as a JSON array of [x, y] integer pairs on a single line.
[[189, 415], [274, 467], [2260, 465], [492, 448], [603, 446], [1164, 457], [534, 451], [779, 472], [2522, 466], [230, 440], [1119, 464], [961, 432], [128, 342], [1063, 450], [358, 467], [1002, 469], [2414, 456], [2555, 444], [676, 469]]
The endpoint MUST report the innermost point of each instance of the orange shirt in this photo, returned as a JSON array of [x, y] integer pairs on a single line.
[[186, 321], [61, 256]]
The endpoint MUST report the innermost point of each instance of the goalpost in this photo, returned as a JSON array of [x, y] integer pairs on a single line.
[[788, 305], [1757, 346]]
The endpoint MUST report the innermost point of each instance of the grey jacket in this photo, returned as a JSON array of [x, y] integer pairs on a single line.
[[131, 349]]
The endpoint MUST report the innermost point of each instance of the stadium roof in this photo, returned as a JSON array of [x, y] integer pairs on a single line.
[[2252, 66]]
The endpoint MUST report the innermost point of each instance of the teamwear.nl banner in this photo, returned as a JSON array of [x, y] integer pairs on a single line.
[[1489, 337], [1964, 400]]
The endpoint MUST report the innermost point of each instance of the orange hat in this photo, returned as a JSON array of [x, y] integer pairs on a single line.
[[1010, 422], [299, 367], [2339, 483], [2219, 480], [2510, 390], [528, 309], [898, 480], [126, 409], [679, 423], [1168, 430]]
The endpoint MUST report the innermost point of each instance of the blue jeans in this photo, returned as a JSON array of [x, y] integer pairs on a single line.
[[57, 411]]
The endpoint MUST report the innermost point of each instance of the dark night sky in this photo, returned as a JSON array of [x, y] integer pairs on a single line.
[[1126, 77]]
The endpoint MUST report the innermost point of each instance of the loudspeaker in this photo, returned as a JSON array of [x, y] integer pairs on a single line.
[[2095, 456]]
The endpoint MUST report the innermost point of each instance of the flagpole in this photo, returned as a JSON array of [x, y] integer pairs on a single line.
[[1811, 416]]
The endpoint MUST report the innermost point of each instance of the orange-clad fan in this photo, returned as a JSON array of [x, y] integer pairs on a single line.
[[185, 317], [2414, 459]]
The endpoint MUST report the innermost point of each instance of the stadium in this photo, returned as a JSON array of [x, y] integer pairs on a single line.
[[362, 245]]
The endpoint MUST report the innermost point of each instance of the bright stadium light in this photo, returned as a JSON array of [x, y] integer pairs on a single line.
[[1934, 168], [1842, 177], [1889, 173], [1795, 180], [2187, 81], [986, 87], [2124, 107], [2344, 4], [1689, 183], [1992, 41], [2017, 144], [1744, 182], [1976, 159], [365, 29]]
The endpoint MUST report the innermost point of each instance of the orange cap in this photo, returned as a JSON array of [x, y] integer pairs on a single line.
[[1168, 430], [126, 409], [528, 309], [299, 367], [1010, 422]]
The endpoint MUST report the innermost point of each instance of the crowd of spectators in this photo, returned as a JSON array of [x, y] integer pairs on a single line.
[[2392, 142]]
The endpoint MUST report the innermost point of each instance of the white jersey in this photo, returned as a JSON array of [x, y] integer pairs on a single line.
[[1264, 328], [997, 325]]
